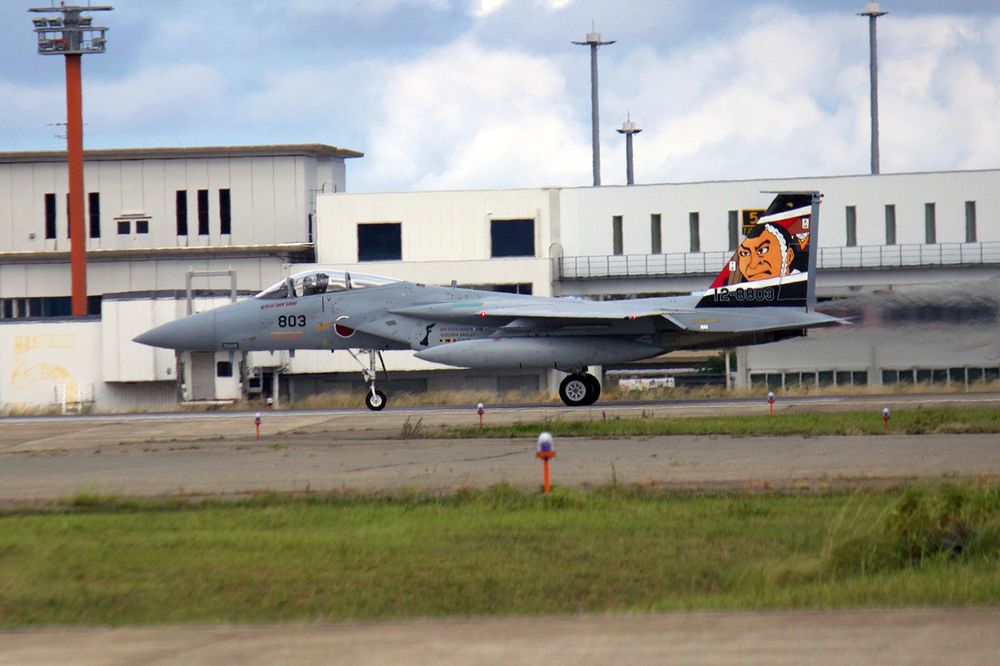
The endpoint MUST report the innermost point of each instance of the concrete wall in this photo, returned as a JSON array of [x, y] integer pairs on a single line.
[[38, 357]]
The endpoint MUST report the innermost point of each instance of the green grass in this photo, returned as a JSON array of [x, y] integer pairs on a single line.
[[493, 552], [904, 421]]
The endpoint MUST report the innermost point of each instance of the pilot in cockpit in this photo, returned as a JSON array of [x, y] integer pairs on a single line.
[[308, 288], [322, 281]]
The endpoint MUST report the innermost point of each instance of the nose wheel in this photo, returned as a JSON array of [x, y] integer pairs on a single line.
[[376, 400], [580, 389]]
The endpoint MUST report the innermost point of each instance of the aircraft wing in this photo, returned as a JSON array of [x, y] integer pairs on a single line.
[[573, 313], [497, 312]]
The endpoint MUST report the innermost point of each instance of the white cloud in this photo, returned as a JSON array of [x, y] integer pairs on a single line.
[[788, 96], [369, 8], [553, 5], [483, 8], [155, 94], [465, 117]]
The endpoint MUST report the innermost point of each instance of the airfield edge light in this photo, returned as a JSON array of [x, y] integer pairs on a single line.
[[72, 36]]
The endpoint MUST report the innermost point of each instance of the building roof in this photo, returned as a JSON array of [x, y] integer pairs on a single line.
[[282, 150]]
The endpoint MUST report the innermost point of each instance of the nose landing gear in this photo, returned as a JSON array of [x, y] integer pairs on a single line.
[[375, 400]]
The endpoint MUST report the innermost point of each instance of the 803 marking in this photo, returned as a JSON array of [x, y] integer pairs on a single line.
[[291, 321]]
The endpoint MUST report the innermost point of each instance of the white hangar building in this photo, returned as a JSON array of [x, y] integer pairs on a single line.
[[913, 257]]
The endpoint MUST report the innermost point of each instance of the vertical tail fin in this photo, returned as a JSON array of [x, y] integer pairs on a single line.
[[775, 264]]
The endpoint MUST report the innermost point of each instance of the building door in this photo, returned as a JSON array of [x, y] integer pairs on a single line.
[[202, 376]]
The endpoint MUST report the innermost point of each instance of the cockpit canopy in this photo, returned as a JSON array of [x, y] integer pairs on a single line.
[[321, 281]]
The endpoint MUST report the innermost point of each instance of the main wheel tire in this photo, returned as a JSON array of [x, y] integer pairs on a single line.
[[575, 390], [595, 388], [376, 400]]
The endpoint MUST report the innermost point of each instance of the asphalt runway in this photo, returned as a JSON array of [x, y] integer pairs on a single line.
[[216, 453]]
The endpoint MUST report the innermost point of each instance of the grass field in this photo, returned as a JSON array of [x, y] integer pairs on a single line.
[[495, 552], [903, 421]]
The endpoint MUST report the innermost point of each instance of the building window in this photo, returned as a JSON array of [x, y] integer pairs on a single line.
[[851, 217], [694, 223], [124, 227], [617, 235], [182, 213], [94, 203], [512, 238], [890, 224], [225, 214], [930, 223], [50, 215], [380, 241], [202, 212], [734, 229], [223, 369], [512, 288], [655, 234], [970, 221], [142, 226], [45, 306], [69, 223]]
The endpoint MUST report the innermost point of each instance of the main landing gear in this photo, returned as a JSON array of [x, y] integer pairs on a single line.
[[580, 389], [375, 400]]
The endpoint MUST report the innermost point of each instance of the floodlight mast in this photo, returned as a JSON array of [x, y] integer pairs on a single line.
[[72, 35], [593, 40], [629, 129], [872, 11]]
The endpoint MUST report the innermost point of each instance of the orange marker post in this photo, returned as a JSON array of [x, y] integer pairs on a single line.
[[885, 419], [545, 453], [770, 403], [256, 422], [480, 410]]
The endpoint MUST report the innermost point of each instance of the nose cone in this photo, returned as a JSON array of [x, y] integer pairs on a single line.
[[194, 333]]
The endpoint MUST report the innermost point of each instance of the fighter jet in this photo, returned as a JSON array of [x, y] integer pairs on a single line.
[[765, 293]]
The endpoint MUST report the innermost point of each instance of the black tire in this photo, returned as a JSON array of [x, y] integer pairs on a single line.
[[595, 388], [576, 390], [376, 401]]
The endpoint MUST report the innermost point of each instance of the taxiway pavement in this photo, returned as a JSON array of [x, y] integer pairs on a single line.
[[218, 454], [965, 636]]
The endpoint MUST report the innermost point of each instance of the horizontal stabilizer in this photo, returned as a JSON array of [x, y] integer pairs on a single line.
[[729, 320]]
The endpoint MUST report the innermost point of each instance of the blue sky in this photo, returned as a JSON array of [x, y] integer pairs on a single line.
[[444, 94]]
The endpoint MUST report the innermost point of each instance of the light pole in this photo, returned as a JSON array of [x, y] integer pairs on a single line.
[[629, 129], [872, 11], [593, 41], [72, 35]]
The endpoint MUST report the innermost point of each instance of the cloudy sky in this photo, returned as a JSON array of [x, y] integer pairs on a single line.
[[444, 94]]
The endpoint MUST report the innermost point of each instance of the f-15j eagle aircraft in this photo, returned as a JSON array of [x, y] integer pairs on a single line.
[[765, 293]]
